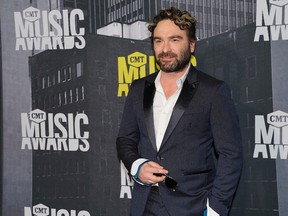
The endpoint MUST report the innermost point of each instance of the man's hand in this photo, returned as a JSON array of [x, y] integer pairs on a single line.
[[148, 170]]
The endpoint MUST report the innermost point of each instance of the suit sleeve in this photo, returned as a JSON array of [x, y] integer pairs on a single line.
[[128, 136], [228, 145]]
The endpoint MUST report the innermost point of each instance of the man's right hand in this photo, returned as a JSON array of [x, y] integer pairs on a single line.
[[148, 170]]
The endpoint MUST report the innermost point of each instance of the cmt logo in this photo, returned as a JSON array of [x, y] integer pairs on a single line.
[[131, 68], [271, 142], [42, 210], [271, 22], [31, 14], [37, 116]]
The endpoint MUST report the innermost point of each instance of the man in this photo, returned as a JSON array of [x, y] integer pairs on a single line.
[[173, 123]]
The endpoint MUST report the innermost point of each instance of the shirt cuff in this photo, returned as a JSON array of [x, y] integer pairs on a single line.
[[210, 211], [135, 168], [136, 164]]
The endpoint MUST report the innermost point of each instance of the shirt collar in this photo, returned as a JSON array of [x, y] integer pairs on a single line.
[[179, 82]]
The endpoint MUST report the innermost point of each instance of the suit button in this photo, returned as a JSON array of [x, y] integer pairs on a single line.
[[159, 158]]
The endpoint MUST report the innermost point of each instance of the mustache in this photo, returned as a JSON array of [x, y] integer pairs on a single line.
[[167, 54]]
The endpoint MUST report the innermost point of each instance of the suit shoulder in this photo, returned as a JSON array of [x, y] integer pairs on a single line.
[[208, 79], [213, 85], [209, 82]]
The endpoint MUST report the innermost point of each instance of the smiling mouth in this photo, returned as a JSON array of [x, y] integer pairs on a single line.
[[167, 58], [167, 55]]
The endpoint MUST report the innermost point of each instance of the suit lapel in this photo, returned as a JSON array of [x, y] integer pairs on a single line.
[[149, 93], [188, 90]]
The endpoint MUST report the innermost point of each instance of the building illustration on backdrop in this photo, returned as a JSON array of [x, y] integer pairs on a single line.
[[214, 16]]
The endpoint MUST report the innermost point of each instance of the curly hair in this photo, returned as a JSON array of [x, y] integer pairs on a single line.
[[182, 19]]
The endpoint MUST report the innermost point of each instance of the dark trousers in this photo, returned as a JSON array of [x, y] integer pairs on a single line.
[[155, 205]]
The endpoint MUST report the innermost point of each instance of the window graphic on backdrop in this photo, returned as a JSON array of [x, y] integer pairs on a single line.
[[41, 30], [42, 210], [272, 141], [58, 132], [271, 20]]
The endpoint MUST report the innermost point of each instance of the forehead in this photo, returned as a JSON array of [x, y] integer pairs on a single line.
[[166, 28]]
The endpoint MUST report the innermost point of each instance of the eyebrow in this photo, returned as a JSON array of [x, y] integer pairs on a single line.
[[176, 36], [171, 37]]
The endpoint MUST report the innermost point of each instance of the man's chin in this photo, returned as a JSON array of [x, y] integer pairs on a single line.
[[177, 69], [167, 68]]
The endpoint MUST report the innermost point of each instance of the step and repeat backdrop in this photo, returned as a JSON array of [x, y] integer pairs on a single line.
[[63, 87]]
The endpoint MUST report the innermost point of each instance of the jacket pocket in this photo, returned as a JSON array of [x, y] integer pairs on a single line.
[[196, 171]]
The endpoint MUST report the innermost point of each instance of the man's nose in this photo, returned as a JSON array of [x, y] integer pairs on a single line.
[[166, 47]]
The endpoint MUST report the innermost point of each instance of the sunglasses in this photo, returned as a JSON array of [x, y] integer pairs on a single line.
[[169, 181]]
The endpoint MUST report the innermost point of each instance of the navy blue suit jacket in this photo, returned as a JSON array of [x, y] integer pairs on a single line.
[[203, 121]]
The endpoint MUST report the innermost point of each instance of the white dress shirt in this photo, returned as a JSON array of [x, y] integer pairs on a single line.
[[162, 111], [163, 107]]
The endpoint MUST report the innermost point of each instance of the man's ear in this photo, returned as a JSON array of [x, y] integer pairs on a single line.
[[192, 46]]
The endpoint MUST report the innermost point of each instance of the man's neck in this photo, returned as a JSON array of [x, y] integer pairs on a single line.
[[169, 81]]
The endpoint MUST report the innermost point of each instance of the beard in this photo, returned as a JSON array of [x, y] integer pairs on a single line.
[[178, 64]]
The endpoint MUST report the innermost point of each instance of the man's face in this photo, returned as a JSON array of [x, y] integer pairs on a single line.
[[172, 47]]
